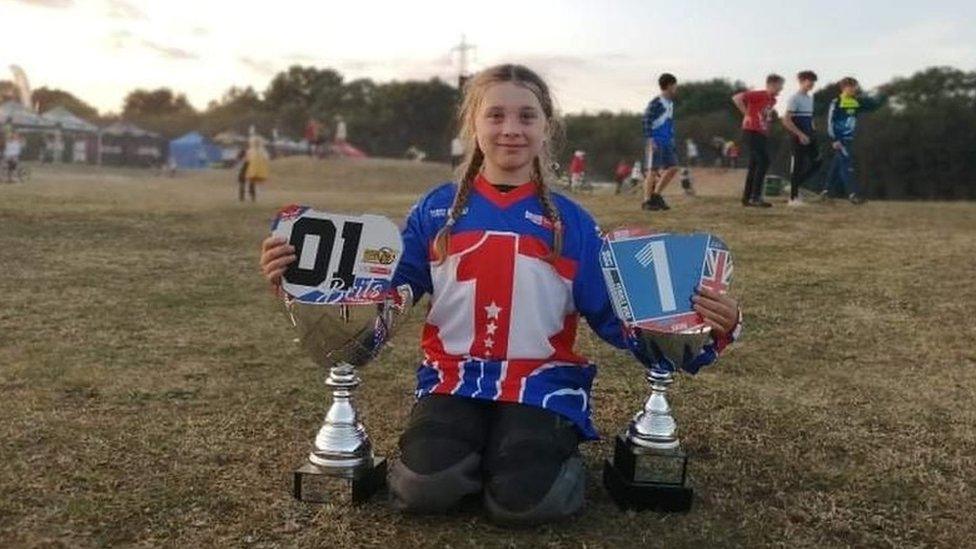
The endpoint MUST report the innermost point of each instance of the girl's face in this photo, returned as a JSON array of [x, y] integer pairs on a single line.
[[510, 127]]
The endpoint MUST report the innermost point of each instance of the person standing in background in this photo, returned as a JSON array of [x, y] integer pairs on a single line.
[[661, 155], [577, 170], [841, 126], [312, 136], [457, 151], [11, 154], [732, 151], [341, 133], [620, 174], [257, 168], [692, 152], [757, 112], [799, 122]]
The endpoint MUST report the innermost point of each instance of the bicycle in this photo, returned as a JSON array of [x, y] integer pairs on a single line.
[[11, 174]]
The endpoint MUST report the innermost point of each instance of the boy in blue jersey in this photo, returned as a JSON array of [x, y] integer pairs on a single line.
[[799, 122], [661, 155], [841, 126]]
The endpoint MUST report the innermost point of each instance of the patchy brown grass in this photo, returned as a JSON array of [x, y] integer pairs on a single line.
[[150, 393]]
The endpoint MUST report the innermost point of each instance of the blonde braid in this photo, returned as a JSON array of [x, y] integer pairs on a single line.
[[442, 240], [549, 210]]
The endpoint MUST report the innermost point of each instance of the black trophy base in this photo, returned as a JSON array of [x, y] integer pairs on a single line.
[[640, 479], [315, 484]]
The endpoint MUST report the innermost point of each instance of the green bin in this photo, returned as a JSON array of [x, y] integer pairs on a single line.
[[774, 185]]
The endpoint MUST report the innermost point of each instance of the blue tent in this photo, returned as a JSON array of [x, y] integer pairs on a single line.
[[193, 151]]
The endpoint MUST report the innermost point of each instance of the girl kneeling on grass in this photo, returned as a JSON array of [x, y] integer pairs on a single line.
[[502, 397]]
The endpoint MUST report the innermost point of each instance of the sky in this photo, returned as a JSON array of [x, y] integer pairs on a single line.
[[596, 55]]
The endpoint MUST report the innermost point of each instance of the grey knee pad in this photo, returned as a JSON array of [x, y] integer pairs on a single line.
[[434, 492], [564, 498]]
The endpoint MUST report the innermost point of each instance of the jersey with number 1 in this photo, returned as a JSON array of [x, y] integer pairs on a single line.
[[502, 318]]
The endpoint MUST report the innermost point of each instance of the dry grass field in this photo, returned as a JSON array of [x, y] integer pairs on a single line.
[[151, 394]]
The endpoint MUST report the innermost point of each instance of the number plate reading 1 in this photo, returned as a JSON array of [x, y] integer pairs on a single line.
[[340, 258], [651, 278]]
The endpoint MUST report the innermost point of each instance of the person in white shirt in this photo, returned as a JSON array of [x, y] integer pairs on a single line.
[[11, 154], [692, 148], [341, 133], [457, 151]]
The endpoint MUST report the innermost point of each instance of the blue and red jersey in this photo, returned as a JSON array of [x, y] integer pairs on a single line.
[[658, 121], [502, 319]]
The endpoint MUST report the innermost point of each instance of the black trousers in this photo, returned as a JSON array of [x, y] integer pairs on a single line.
[[758, 165], [806, 162], [519, 455]]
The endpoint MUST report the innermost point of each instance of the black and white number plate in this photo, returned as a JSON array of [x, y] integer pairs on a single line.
[[341, 259]]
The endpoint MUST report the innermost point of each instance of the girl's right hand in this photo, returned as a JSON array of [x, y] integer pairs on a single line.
[[276, 256]]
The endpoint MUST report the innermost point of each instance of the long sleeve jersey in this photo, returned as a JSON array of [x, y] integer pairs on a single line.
[[502, 320], [842, 115]]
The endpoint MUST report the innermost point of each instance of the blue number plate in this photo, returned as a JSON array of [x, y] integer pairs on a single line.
[[652, 277]]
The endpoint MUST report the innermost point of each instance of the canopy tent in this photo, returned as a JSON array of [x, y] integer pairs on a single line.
[[193, 151], [125, 144], [74, 139], [22, 118], [32, 127], [123, 128], [229, 137], [69, 121]]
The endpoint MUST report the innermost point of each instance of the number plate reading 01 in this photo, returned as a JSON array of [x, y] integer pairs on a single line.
[[651, 278], [340, 258]]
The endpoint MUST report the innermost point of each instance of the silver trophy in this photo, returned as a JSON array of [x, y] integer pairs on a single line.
[[341, 463], [651, 279], [649, 469], [338, 298]]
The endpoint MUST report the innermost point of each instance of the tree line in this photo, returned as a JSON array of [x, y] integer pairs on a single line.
[[922, 144]]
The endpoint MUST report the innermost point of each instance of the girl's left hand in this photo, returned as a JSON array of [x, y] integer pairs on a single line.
[[720, 311]]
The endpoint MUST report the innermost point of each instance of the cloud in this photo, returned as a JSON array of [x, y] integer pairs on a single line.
[[301, 58], [120, 9], [169, 51], [48, 3], [199, 31], [256, 65], [119, 39]]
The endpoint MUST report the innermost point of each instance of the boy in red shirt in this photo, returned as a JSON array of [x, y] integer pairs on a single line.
[[757, 112]]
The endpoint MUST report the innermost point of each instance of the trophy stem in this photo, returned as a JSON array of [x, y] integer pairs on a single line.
[[341, 442], [654, 426]]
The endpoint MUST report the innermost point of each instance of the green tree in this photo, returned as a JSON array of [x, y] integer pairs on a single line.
[[48, 98], [706, 97], [934, 85], [307, 87], [161, 101], [401, 114]]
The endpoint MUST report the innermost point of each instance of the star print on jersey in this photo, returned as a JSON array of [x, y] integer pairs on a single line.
[[492, 311]]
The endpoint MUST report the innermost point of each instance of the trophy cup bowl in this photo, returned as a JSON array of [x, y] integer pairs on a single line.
[[649, 468], [341, 338]]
